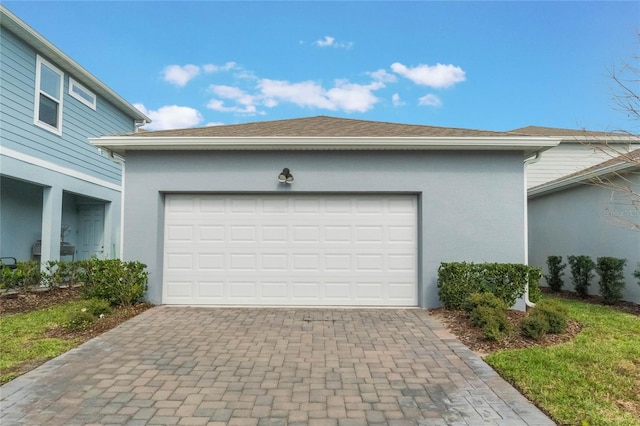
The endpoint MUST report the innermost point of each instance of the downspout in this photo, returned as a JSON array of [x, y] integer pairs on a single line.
[[120, 160], [527, 162]]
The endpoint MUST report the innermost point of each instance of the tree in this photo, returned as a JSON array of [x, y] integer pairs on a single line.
[[624, 180]]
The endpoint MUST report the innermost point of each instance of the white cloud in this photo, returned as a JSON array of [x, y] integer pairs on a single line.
[[218, 105], [383, 76], [180, 75], [437, 76], [325, 42], [234, 93], [214, 123], [396, 100], [430, 100], [215, 68], [171, 117], [329, 41], [343, 96]]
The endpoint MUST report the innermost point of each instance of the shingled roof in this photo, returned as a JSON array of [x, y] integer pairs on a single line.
[[554, 131], [323, 126], [624, 161]]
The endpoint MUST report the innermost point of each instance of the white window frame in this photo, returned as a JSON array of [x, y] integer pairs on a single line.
[[75, 85], [57, 129]]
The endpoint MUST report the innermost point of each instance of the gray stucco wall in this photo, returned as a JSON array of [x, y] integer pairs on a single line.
[[471, 203], [584, 220]]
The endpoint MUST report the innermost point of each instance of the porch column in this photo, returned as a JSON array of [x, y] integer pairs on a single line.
[[51, 224]]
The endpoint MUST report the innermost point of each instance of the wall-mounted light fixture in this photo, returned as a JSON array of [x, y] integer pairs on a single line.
[[285, 176]]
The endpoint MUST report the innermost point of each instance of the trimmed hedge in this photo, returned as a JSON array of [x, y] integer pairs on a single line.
[[508, 281]]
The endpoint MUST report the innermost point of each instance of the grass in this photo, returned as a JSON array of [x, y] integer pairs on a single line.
[[593, 380], [25, 342]]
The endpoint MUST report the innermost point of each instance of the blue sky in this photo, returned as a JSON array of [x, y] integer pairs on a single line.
[[479, 65]]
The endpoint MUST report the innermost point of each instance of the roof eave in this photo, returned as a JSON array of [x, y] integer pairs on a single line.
[[576, 179], [121, 144], [44, 46]]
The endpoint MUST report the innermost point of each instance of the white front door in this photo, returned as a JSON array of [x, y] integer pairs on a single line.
[[91, 238], [324, 250]]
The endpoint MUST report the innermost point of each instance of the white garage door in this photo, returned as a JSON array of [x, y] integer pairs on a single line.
[[325, 250]]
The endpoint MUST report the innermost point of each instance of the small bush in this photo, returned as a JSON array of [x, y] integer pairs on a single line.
[[611, 271], [476, 300], [79, 320], [556, 271], [534, 326], [581, 273], [491, 319], [58, 273], [555, 314], [98, 307], [636, 273], [119, 283], [8, 278], [535, 293]]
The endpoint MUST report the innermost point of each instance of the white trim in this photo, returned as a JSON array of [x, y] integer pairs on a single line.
[[120, 144], [75, 88], [57, 129], [576, 179], [38, 162]]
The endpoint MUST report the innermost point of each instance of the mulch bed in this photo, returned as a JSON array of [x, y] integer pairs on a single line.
[[457, 323]]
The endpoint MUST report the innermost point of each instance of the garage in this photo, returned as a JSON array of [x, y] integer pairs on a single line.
[[292, 249]]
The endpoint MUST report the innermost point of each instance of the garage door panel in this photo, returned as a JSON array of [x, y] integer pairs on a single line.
[[293, 250]]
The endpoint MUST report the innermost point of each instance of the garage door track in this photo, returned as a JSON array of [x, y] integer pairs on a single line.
[[290, 366]]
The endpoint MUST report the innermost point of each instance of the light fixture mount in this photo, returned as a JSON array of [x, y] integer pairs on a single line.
[[285, 176]]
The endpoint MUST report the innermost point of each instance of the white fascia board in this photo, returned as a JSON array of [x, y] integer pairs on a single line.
[[58, 57], [577, 179], [599, 140], [121, 144]]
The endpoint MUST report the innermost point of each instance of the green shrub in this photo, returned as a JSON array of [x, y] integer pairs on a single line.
[[534, 326], [455, 283], [27, 275], [492, 320], [97, 307], [79, 320], [59, 273], [556, 271], [611, 271], [535, 293], [119, 283], [581, 273], [476, 300], [9, 278], [458, 280], [636, 273], [554, 313]]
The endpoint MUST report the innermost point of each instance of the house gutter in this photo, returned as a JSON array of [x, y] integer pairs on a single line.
[[528, 161]]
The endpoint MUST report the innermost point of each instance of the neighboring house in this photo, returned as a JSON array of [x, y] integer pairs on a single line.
[[578, 150], [59, 196], [319, 211], [574, 215]]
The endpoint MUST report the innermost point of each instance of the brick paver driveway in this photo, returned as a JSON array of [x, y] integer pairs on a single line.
[[198, 366]]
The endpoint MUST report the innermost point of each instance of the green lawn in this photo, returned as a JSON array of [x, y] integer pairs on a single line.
[[593, 380], [24, 340]]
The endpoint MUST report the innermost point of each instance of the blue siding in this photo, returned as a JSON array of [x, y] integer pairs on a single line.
[[72, 149]]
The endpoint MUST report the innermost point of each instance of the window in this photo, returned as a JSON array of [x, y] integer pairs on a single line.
[[82, 94], [48, 101]]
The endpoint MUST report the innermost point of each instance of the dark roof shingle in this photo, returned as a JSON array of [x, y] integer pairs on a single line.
[[322, 126]]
